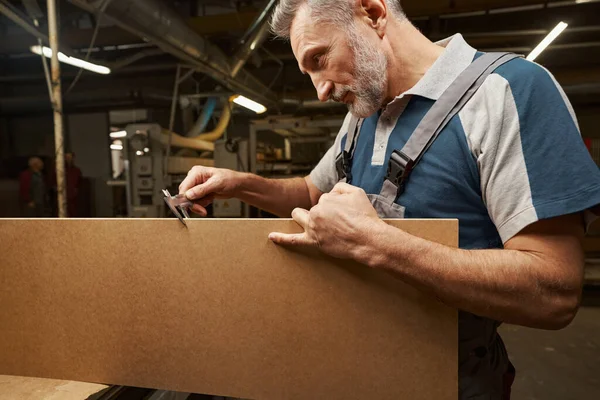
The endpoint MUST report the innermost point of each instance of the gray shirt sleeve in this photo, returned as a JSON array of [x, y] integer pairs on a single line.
[[532, 162], [325, 176], [491, 123]]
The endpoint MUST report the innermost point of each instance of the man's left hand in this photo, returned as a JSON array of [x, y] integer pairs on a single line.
[[340, 224]]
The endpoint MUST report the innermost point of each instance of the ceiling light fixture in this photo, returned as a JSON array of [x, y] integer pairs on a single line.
[[547, 40], [118, 135], [249, 104], [76, 62]]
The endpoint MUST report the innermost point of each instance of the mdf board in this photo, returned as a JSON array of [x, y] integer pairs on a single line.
[[217, 308], [19, 388]]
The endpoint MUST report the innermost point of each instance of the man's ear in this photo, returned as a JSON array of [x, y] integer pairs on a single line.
[[374, 13]]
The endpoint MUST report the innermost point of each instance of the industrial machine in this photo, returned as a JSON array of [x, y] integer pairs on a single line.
[[149, 170], [156, 159]]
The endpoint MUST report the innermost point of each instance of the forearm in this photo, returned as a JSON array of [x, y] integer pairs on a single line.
[[277, 196], [513, 286]]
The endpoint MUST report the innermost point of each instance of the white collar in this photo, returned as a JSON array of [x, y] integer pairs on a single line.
[[457, 56]]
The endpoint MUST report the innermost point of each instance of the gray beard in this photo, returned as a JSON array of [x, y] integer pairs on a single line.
[[370, 77]]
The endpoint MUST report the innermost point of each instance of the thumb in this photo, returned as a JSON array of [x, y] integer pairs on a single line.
[[302, 217], [211, 186]]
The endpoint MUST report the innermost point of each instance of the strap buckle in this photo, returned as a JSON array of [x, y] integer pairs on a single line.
[[399, 169], [343, 165]]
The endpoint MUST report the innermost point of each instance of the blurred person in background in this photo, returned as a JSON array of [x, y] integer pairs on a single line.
[[33, 193]]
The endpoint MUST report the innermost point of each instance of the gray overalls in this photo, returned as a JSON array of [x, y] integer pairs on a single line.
[[483, 362]]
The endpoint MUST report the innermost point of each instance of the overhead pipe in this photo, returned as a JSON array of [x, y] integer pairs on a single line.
[[33, 9], [204, 118], [28, 78], [156, 22], [186, 143], [253, 38], [222, 125], [219, 130], [85, 100], [22, 22], [123, 62]]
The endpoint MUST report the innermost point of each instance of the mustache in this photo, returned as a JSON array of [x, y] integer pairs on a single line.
[[338, 94]]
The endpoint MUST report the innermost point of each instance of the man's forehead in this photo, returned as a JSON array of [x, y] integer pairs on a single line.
[[301, 25], [305, 33]]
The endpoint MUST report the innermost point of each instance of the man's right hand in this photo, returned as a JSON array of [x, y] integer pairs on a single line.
[[202, 185]]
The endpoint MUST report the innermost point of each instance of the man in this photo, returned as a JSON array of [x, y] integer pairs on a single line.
[[32, 190], [511, 166]]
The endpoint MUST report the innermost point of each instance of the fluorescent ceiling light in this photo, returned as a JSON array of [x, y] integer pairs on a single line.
[[250, 104], [547, 40], [47, 52], [118, 135], [116, 147]]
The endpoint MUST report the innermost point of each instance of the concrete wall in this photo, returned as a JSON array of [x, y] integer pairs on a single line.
[[89, 139], [32, 135], [9, 198]]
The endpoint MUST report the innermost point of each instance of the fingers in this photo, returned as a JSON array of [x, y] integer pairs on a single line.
[[207, 188], [200, 182], [198, 209], [193, 178], [199, 206], [298, 239], [343, 188], [301, 216], [205, 201]]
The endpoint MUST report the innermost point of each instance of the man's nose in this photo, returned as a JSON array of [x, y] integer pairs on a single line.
[[324, 89]]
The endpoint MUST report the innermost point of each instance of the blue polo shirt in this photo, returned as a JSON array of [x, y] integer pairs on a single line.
[[514, 155], [511, 157]]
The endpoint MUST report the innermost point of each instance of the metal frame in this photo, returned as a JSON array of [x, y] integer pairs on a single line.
[[274, 125], [179, 79]]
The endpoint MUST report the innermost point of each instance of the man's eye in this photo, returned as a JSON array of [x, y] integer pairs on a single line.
[[317, 59]]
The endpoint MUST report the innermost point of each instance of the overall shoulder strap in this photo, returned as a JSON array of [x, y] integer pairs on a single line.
[[444, 109], [452, 101], [343, 162]]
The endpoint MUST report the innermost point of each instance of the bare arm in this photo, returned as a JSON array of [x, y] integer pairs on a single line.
[[535, 281], [277, 196]]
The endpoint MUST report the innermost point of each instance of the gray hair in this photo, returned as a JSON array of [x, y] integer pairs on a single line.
[[335, 11]]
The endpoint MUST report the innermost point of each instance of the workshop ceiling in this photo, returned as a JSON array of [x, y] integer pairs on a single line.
[[512, 25]]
